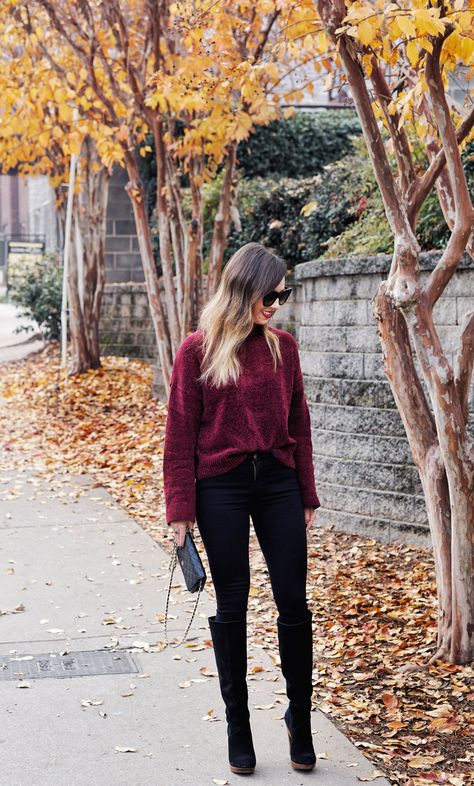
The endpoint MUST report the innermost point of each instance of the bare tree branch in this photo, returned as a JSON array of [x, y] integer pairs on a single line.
[[407, 175], [426, 182], [463, 210]]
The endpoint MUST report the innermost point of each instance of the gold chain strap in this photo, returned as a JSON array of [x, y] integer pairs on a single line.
[[172, 565]]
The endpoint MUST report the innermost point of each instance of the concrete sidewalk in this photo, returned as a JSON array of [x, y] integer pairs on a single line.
[[16, 346], [78, 574]]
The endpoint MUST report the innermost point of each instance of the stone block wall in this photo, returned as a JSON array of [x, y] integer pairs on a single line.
[[126, 328], [365, 475]]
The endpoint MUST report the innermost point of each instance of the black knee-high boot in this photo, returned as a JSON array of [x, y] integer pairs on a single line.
[[230, 650], [296, 654]]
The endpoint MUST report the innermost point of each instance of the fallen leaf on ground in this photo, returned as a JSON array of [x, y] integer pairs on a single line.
[[375, 774], [16, 610]]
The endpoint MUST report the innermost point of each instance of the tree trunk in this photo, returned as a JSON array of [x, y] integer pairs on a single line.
[[172, 325], [222, 222], [420, 428], [456, 451], [136, 193], [87, 261], [80, 360], [194, 273]]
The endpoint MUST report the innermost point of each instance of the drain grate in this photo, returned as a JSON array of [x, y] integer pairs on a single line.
[[74, 664]]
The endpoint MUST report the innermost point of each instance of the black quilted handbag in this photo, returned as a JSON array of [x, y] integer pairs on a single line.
[[191, 565], [194, 576]]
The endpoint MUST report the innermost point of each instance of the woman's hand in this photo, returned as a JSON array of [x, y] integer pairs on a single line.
[[179, 528], [309, 516]]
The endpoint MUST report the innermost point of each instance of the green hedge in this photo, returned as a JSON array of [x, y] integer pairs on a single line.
[[297, 147], [348, 219], [270, 209], [300, 146], [270, 213]]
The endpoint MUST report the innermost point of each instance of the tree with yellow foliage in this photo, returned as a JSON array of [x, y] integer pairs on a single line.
[[397, 59], [198, 77], [38, 135]]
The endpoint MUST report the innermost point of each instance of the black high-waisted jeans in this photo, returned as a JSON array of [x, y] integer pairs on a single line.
[[267, 490]]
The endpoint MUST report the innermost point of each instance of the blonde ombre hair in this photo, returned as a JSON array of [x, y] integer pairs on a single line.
[[226, 320]]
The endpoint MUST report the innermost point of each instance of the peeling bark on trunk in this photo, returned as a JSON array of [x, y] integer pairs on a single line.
[[136, 193], [80, 361], [420, 428], [87, 274], [172, 325], [222, 222], [195, 240]]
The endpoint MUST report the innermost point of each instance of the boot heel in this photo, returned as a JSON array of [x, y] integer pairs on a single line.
[[242, 770], [241, 750], [297, 765]]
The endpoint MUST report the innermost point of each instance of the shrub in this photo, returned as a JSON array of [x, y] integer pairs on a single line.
[[270, 213], [297, 147], [300, 146], [371, 234], [270, 210], [39, 295]]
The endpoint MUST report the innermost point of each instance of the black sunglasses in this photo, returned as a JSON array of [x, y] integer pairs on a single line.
[[269, 299]]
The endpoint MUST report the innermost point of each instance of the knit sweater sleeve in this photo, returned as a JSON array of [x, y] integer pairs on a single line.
[[181, 433], [299, 427]]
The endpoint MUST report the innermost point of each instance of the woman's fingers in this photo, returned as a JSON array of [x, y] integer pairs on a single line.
[[179, 529], [310, 515]]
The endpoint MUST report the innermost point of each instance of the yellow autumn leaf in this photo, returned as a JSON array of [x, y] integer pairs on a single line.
[[412, 52], [65, 113], [406, 25], [309, 208], [424, 761], [75, 143], [427, 22], [322, 41], [247, 90], [272, 70], [366, 32]]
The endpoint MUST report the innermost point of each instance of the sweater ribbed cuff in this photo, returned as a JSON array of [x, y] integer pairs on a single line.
[[311, 501], [175, 513]]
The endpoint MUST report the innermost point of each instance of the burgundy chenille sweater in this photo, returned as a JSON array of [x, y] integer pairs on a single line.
[[210, 430]]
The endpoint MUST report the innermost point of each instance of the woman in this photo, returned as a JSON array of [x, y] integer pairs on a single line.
[[238, 444]]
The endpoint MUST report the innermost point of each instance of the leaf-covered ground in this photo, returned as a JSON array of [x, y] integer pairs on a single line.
[[374, 605]]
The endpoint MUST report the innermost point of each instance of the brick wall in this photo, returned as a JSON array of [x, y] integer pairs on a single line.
[[122, 258]]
